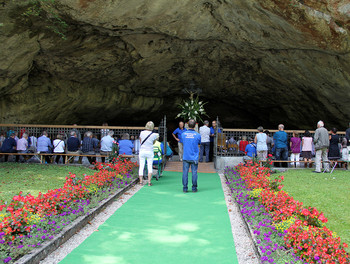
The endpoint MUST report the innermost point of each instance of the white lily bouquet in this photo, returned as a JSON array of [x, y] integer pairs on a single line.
[[192, 109]]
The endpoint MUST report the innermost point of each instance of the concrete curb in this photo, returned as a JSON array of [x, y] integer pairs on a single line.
[[248, 229], [48, 247]]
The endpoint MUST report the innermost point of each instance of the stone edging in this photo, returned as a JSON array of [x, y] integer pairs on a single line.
[[247, 228], [48, 247]]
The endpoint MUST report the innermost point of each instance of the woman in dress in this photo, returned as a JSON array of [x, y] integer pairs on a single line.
[[147, 138], [261, 145], [333, 151], [306, 148]]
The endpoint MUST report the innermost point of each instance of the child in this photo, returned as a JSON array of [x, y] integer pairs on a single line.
[[307, 148]]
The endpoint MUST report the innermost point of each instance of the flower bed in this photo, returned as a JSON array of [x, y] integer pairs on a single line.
[[29, 221], [285, 230]]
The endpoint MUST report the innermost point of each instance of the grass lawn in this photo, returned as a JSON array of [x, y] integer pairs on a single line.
[[33, 178], [329, 193]]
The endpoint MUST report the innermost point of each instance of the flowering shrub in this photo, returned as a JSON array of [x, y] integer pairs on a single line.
[[303, 227], [20, 218]]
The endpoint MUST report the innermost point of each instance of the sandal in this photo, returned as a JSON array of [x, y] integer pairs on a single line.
[[141, 183], [150, 184]]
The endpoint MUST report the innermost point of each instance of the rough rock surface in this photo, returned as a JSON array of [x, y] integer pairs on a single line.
[[127, 61]]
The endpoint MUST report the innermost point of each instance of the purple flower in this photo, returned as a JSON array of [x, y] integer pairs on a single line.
[[43, 237], [271, 260]]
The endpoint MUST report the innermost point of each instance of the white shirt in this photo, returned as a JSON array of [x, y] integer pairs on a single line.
[[107, 143], [204, 131], [148, 144], [58, 145]]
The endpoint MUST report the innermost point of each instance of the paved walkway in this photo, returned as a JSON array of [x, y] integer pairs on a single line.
[[161, 224]]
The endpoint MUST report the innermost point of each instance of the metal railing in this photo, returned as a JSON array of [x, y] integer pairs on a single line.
[[224, 148]]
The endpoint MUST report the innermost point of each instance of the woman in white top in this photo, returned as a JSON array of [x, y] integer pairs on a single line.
[[261, 145], [58, 147], [147, 138]]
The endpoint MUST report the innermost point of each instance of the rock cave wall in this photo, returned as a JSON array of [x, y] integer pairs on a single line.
[[126, 61]]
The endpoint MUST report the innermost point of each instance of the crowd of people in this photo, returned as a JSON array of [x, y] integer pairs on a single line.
[[70, 143], [324, 145]]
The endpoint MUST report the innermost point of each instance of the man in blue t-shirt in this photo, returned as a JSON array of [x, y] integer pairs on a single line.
[[250, 150], [281, 144], [191, 141], [177, 135]]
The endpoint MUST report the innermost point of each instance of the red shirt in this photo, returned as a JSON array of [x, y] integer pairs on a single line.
[[242, 145]]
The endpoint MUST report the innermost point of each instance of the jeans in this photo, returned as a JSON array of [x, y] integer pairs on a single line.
[[322, 153], [181, 150], [204, 147], [282, 154], [186, 167]]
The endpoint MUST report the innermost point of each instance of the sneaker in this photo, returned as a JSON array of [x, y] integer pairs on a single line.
[[185, 191], [316, 171], [195, 190]]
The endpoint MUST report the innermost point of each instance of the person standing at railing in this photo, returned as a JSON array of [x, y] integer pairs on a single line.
[[347, 136], [306, 148], [295, 143], [45, 146], [212, 137], [281, 142], [204, 131], [321, 140], [104, 131], [261, 146], [177, 135]]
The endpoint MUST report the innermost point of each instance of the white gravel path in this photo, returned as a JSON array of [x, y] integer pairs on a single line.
[[243, 243]]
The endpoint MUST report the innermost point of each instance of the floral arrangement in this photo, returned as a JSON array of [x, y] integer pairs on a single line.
[[114, 153], [192, 109], [281, 223], [29, 221]]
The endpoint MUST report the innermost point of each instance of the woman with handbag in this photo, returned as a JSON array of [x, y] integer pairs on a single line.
[[147, 138]]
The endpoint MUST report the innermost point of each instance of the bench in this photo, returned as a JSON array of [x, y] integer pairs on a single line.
[[67, 157]]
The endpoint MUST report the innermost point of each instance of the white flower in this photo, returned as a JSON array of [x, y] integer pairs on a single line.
[[186, 104], [195, 112], [200, 103]]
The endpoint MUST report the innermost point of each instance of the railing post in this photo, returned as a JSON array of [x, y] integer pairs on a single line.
[[216, 142]]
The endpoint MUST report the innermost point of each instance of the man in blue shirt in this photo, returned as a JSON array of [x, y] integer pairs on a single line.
[[9, 146], [250, 150], [281, 144], [45, 146], [177, 135], [212, 136], [191, 141]]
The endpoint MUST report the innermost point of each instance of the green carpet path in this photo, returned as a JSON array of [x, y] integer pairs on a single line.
[[161, 224]]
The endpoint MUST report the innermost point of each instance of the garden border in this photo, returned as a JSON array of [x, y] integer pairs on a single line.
[[48, 247], [247, 227]]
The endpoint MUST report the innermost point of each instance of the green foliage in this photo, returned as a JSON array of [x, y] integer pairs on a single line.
[[114, 153], [33, 178], [192, 109], [329, 193], [45, 11]]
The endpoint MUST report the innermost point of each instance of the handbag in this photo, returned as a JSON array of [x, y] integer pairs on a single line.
[[146, 138]]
